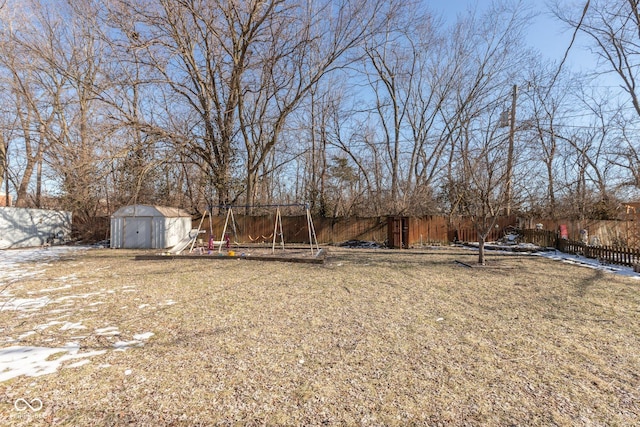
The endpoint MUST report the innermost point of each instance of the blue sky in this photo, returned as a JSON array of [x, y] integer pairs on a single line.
[[546, 33]]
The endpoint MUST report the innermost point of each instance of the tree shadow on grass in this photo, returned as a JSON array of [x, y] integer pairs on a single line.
[[583, 287]]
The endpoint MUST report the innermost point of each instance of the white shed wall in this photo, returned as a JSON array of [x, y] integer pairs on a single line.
[[117, 232], [175, 230], [147, 227], [23, 227]]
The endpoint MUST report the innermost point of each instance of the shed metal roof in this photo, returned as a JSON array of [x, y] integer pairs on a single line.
[[148, 210]]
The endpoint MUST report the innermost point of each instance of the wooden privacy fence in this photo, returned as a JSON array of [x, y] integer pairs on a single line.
[[422, 230], [466, 231], [259, 229], [621, 255], [608, 254], [470, 234], [544, 238], [431, 229], [624, 232]]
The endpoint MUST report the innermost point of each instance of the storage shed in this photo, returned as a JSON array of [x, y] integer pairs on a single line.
[[148, 227]]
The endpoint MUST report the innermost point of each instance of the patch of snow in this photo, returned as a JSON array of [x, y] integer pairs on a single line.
[[143, 305], [9, 276], [33, 361], [572, 259], [137, 341], [16, 264], [144, 336], [47, 325], [78, 364], [123, 345], [25, 335], [108, 331], [70, 325], [90, 294], [590, 263], [23, 304]]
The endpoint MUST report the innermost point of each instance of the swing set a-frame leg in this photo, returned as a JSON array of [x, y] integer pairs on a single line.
[[224, 229], [276, 226], [199, 227], [312, 232]]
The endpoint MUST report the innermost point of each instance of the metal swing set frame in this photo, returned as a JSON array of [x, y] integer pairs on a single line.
[[277, 227]]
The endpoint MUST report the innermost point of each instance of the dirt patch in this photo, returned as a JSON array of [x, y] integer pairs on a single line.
[[371, 337]]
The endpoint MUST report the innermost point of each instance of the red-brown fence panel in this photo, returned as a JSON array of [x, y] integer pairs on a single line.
[[543, 238], [432, 229], [606, 254]]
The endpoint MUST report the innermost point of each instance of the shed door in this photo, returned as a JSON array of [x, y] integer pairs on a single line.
[[137, 232]]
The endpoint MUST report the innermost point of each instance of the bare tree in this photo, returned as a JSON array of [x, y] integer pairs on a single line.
[[74, 63], [410, 79], [613, 27], [489, 56], [25, 93], [484, 173], [235, 71], [548, 109], [393, 63], [625, 153], [317, 38], [314, 122]]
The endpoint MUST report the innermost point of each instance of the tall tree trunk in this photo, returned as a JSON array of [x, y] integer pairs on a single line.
[[39, 184]]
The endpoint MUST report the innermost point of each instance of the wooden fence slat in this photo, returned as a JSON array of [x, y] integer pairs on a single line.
[[621, 255]]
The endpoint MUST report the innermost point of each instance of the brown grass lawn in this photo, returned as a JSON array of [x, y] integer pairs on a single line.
[[369, 338]]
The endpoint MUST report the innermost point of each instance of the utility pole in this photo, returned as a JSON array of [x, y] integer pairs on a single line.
[[512, 131]]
